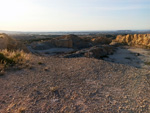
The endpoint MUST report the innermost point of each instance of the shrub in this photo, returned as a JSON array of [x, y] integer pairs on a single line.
[[11, 58]]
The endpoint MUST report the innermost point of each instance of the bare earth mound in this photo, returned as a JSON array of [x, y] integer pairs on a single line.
[[10, 43], [75, 85]]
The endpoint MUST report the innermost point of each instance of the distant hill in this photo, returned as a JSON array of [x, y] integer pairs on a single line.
[[81, 32]]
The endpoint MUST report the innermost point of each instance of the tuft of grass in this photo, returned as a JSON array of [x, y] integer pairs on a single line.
[[21, 110], [40, 63], [4, 59], [2, 72], [11, 58], [46, 69], [53, 89], [147, 63]]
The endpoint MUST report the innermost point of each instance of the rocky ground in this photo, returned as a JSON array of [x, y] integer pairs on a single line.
[[79, 81], [75, 85]]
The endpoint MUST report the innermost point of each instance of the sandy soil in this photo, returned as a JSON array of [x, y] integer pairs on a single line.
[[75, 85], [132, 56]]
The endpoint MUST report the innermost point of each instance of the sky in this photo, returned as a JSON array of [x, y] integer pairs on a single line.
[[74, 15]]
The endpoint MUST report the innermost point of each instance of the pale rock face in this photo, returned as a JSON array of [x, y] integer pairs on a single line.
[[142, 40], [70, 41]]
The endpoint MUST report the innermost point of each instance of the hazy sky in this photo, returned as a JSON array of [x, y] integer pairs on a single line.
[[74, 15]]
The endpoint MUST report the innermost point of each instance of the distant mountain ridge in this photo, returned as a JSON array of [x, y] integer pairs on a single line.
[[80, 32]]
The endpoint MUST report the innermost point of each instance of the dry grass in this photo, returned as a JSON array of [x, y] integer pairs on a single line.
[[40, 63], [11, 58], [53, 89], [21, 110]]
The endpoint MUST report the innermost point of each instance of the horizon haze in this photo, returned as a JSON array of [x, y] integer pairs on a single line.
[[70, 15]]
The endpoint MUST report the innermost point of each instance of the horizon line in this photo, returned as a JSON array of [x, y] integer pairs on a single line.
[[77, 30]]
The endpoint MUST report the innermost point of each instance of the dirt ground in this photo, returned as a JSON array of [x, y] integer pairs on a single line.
[[76, 85], [132, 56]]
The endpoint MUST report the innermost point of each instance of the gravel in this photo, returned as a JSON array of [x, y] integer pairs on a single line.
[[75, 85]]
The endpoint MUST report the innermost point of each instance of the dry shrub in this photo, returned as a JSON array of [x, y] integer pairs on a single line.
[[11, 58], [21, 110]]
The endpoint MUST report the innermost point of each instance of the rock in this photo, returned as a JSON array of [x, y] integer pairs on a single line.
[[115, 44], [9, 43], [93, 52], [139, 40], [85, 42], [66, 43], [99, 51], [101, 40], [41, 45], [137, 54], [71, 41], [108, 49]]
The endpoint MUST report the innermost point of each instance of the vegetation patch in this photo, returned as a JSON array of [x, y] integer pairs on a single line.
[[40, 63], [54, 89], [12, 58], [147, 63]]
